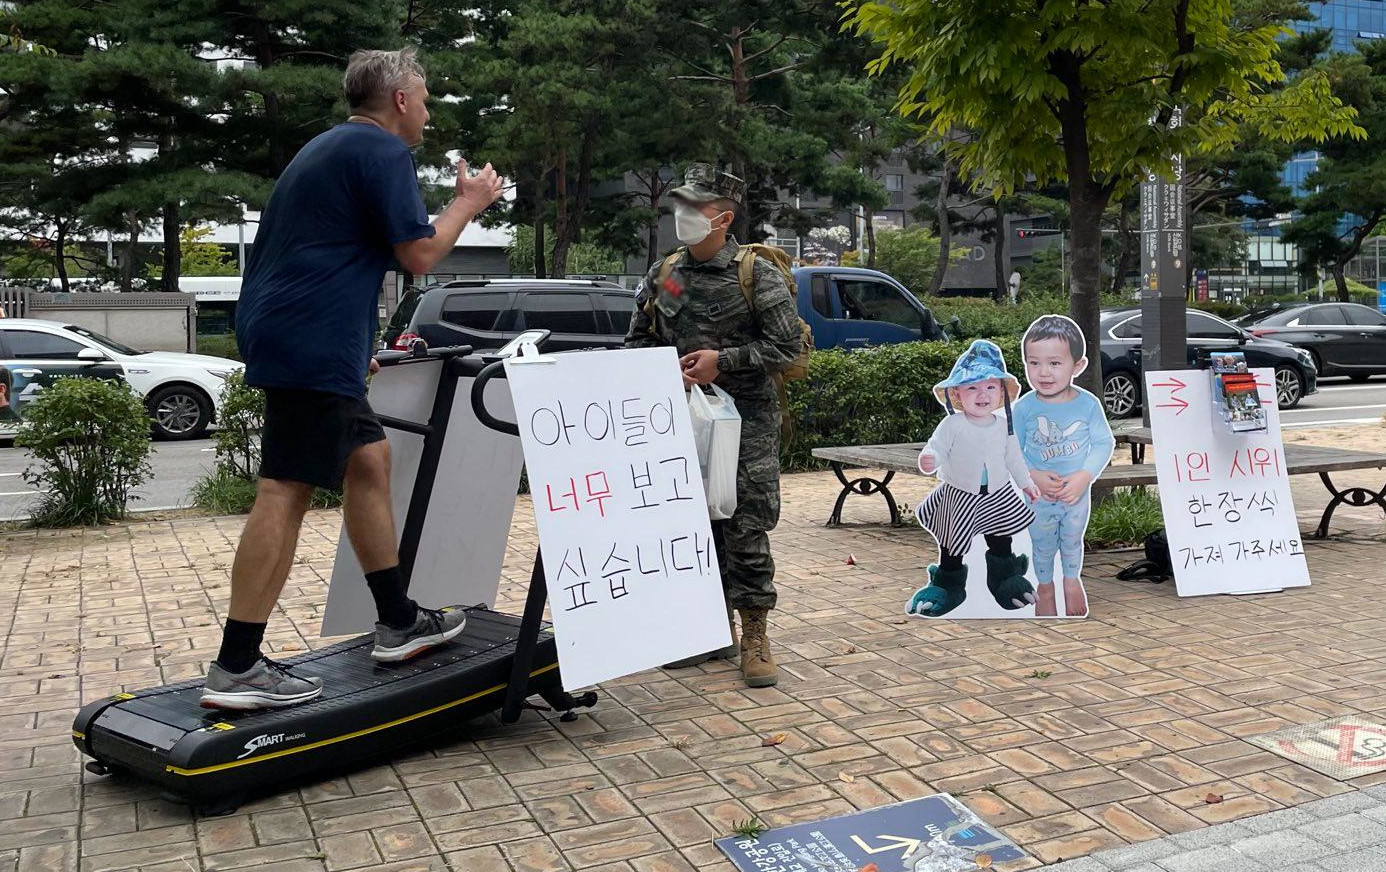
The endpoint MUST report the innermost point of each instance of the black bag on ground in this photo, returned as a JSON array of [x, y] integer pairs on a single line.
[[1156, 566]]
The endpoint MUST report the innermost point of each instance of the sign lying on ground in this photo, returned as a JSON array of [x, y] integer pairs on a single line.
[[1225, 496], [462, 546], [930, 834], [618, 500], [1341, 748]]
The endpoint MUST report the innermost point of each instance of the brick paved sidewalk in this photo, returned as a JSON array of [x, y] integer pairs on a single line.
[[1144, 712], [1344, 833]]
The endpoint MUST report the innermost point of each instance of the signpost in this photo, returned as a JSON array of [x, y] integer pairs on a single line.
[[1164, 253], [619, 505], [1225, 496], [1381, 295]]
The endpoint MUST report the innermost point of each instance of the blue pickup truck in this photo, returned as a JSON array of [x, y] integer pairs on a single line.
[[854, 308], [846, 307]]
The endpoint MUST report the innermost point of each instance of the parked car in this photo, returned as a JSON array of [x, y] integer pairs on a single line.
[[1296, 376], [182, 391], [847, 308], [487, 313], [1344, 338]]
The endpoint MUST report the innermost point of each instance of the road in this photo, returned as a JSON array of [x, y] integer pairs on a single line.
[[177, 465], [1339, 403]]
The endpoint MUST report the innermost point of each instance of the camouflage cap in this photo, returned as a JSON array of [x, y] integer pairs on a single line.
[[703, 183]]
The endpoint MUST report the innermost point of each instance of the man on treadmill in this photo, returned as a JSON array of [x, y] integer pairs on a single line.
[[347, 206]]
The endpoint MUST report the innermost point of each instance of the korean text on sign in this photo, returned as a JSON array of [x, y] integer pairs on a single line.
[[618, 499], [1225, 495]]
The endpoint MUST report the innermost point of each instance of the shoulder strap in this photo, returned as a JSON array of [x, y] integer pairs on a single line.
[[746, 272], [666, 268]]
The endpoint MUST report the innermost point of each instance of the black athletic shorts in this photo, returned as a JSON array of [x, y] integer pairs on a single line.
[[309, 435]]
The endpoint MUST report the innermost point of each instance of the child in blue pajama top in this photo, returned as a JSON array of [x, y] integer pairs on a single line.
[[1066, 442]]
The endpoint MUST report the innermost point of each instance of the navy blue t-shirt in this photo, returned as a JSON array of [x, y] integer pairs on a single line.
[[307, 314]]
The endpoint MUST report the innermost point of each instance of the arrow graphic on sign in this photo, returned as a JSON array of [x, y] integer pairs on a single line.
[[1179, 403], [906, 846], [1172, 383]]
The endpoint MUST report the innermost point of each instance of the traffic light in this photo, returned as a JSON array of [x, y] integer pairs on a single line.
[[1026, 234]]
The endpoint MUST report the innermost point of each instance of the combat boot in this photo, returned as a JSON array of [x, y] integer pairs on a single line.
[[757, 665], [728, 653]]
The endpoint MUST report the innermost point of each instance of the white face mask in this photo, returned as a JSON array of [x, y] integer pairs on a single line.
[[690, 225]]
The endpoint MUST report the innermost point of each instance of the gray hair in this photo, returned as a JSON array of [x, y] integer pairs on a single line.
[[372, 75]]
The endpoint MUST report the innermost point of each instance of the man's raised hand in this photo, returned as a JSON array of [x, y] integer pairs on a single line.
[[480, 190]]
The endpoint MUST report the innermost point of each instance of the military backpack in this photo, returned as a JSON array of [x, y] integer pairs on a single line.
[[745, 260]]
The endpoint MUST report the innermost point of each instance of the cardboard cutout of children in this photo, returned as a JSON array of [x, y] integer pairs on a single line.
[[1067, 442], [1017, 471]]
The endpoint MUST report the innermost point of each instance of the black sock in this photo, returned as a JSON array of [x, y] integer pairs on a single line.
[[240, 645], [999, 545], [950, 562], [395, 609]]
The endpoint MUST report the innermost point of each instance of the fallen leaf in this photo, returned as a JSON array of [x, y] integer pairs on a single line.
[[851, 649], [983, 861], [851, 560], [291, 647], [776, 739], [870, 867], [1213, 798], [845, 778]]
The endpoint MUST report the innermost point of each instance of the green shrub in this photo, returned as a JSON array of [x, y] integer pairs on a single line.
[[982, 318], [222, 493], [1124, 518], [90, 438], [229, 489], [223, 345], [238, 436], [875, 396]]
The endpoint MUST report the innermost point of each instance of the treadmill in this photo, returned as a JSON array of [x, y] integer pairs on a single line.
[[214, 760]]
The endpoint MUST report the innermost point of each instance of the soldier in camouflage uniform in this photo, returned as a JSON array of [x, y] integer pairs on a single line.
[[701, 311]]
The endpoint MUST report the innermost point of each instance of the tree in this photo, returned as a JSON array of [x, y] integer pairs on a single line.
[[1346, 203], [52, 144], [1066, 89], [572, 91], [197, 257], [911, 257]]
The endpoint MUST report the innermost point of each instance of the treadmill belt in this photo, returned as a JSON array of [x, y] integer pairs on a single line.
[[346, 669]]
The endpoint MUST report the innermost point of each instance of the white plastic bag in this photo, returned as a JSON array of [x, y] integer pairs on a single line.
[[717, 434]]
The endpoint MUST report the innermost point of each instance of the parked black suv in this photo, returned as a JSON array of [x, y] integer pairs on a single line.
[[487, 313]]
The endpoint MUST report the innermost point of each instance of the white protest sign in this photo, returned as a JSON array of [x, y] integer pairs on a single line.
[[618, 500], [462, 545], [1225, 496]]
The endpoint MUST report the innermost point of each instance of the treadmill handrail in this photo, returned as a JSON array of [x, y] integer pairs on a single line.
[[390, 357], [488, 372]]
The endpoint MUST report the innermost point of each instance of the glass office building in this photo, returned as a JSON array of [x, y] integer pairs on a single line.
[[1271, 265], [1350, 20]]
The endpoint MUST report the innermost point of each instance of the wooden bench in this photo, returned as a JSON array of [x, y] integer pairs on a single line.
[[904, 457]]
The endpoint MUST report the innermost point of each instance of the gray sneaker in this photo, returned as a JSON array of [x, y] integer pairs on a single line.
[[432, 627], [267, 684]]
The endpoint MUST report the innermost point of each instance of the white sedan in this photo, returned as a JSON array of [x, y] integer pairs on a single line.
[[182, 391]]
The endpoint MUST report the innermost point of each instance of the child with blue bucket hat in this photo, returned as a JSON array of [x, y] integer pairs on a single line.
[[976, 456]]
